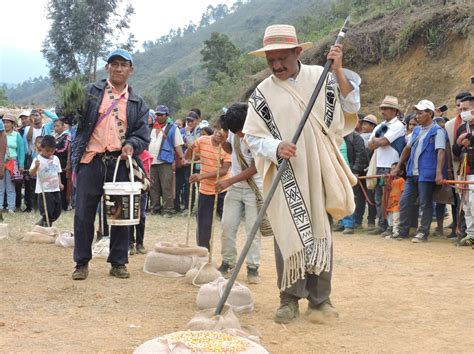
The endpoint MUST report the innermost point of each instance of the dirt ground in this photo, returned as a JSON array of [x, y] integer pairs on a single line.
[[392, 296]]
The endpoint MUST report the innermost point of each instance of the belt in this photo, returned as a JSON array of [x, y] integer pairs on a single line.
[[108, 155]]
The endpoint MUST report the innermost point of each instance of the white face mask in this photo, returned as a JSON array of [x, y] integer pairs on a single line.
[[466, 116]]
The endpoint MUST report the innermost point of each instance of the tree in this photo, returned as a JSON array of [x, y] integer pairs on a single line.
[[3, 97], [170, 94], [82, 31], [219, 55]]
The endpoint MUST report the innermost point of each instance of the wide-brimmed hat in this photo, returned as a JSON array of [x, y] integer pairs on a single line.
[[390, 102], [280, 37], [10, 117], [370, 118], [425, 104]]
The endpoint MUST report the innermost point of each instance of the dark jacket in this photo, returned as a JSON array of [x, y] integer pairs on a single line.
[[137, 134], [356, 154], [460, 151]]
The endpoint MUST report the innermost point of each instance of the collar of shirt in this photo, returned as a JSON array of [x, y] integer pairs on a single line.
[[116, 92]]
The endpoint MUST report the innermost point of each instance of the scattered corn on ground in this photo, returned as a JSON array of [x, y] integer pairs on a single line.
[[209, 341]]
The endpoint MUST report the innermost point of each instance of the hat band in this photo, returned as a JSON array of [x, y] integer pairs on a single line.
[[280, 40]]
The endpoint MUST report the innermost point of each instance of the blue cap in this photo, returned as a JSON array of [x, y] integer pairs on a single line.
[[120, 53], [162, 109]]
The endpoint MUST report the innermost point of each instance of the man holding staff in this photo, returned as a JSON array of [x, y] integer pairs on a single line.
[[316, 183]]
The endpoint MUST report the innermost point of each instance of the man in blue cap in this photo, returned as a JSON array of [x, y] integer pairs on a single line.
[[113, 126]]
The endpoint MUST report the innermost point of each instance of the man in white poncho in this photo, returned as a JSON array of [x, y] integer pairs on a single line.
[[317, 182]]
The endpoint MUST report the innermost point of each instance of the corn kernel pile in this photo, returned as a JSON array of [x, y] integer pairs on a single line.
[[209, 341]]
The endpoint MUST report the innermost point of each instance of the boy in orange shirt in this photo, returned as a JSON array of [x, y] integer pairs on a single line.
[[397, 184], [207, 151]]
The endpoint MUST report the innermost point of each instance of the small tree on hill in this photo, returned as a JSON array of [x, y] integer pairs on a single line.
[[219, 55], [170, 94]]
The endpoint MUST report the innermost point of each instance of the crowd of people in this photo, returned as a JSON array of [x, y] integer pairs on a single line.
[[395, 168], [19, 188], [406, 165]]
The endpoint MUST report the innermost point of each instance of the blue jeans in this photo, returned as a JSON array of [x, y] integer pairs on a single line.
[[378, 196], [414, 189], [347, 222], [7, 185]]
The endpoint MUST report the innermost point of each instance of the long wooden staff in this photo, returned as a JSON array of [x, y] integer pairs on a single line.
[[276, 181], [191, 168]]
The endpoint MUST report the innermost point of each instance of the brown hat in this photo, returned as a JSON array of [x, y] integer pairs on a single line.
[[390, 102], [10, 117], [370, 119]]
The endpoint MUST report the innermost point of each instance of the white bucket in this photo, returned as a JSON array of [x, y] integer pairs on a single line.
[[122, 199]]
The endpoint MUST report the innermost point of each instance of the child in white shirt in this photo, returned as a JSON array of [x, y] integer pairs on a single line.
[[46, 167]]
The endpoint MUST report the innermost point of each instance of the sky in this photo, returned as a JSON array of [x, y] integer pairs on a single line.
[[25, 26]]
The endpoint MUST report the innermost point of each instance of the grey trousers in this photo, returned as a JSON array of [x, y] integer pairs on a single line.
[[315, 288], [161, 189]]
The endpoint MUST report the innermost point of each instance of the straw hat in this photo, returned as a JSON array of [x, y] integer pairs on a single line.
[[390, 102], [280, 37], [10, 117], [370, 119]]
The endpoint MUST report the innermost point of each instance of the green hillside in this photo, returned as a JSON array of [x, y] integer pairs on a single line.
[[382, 33]]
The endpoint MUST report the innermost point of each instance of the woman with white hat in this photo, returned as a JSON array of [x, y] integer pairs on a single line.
[[14, 159]]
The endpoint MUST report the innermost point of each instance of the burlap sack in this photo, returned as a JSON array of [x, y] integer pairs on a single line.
[[240, 298], [36, 237], [182, 250], [169, 264], [205, 273], [163, 345], [50, 231], [65, 239], [3, 231]]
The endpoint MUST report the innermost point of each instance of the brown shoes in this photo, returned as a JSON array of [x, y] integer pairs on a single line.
[[288, 310]]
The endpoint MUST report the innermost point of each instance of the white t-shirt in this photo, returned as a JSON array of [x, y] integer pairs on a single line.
[[47, 173], [236, 168], [387, 155], [155, 143]]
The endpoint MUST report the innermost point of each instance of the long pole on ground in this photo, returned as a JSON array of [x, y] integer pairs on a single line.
[[276, 181]]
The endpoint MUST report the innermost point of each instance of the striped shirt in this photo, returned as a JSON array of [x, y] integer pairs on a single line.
[[208, 156]]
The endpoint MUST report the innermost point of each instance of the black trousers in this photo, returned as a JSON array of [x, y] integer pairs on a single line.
[[140, 228], [89, 189], [204, 217], [64, 181], [181, 188], [53, 204]]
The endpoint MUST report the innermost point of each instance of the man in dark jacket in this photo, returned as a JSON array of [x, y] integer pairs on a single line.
[[113, 125], [358, 162]]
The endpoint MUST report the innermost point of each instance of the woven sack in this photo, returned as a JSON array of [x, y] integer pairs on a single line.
[[182, 250], [65, 239], [3, 231], [169, 264], [50, 231], [202, 273], [240, 297], [37, 237]]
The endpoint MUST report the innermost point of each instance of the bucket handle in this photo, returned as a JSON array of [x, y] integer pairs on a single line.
[[131, 168]]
